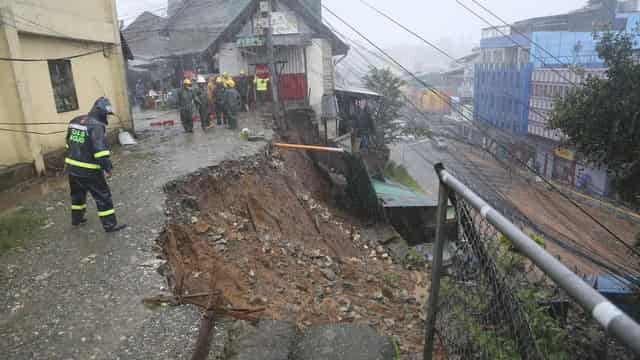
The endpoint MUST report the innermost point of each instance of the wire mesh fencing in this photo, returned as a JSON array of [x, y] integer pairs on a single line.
[[495, 303]]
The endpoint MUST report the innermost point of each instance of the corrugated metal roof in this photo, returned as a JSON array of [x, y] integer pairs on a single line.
[[356, 90], [609, 284], [200, 23], [143, 36], [397, 196]]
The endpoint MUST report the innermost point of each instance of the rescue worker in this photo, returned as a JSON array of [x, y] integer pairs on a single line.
[[202, 102], [231, 107], [227, 80], [219, 93], [364, 127], [185, 104], [210, 87], [262, 85], [140, 94], [87, 162], [243, 88]]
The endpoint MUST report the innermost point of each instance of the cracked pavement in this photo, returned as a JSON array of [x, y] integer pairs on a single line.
[[77, 293]]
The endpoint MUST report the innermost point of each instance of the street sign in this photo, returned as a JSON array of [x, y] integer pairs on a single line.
[[250, 41]]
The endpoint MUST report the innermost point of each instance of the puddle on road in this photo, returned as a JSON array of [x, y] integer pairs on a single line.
[[29, 192]]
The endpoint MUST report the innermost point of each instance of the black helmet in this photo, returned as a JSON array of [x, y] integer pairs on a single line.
[[101, 109]]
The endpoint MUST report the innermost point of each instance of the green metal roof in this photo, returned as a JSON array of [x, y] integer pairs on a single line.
[[395, 195]]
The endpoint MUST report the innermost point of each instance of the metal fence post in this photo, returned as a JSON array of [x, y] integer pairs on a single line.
[[432, 310]]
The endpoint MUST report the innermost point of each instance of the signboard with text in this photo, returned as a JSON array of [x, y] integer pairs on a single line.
[[282, 22], [250, 41], [565, 154]]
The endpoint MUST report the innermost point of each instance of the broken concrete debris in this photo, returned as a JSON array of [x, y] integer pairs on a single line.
[[274, 239], [329, 274]]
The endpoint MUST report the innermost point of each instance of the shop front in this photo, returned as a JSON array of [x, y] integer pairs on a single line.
[[564, 166]]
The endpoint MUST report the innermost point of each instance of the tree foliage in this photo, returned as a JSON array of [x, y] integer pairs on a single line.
[[389, 107], [602, 118]]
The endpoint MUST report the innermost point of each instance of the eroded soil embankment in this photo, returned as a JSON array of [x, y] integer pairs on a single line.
[[265, 232]]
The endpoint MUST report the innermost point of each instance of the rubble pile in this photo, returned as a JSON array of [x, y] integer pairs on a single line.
[[264, 231]]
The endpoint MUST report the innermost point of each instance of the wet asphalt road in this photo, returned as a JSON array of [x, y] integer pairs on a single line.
[[76, 293]]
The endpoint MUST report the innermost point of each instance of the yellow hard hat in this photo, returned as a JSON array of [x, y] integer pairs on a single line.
[[242, 72], [225, 74], [186, 82], [219, 80]]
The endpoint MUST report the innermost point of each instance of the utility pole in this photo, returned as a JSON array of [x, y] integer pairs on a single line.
[[266, 9]]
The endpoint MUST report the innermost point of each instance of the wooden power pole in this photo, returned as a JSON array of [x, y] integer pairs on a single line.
[[266, 9]]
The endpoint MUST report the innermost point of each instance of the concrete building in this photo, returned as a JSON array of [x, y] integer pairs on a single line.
[[229, 39], [148, 43], [547, 58], [173, 6], [462, 74], [77, 44]]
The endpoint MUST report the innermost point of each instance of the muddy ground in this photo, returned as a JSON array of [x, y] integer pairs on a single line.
[[548, 210], [77, 293], [267, 232]]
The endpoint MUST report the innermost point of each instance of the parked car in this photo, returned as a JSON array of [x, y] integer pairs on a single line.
[[441, 144]]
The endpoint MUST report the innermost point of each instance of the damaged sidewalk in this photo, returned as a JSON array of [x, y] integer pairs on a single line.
[[265, 226], [77, 294]]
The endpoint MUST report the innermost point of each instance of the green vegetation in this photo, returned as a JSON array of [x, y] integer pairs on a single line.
[[601, 117], [400, 174], [385, 83], [493, 342], [396, 348], [484, 329], [414, 259], [17, 227], [391, 279], [509, 245]]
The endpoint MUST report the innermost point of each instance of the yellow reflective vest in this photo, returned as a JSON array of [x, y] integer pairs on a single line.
[[261, 84]]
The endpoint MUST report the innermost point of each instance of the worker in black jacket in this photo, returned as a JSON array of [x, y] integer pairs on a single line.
[[88, 161]]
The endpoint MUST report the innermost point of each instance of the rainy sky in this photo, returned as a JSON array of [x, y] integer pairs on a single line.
[[437, 21]]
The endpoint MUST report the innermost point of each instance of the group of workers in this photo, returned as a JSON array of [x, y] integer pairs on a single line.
[[88, 158], [221, 95]]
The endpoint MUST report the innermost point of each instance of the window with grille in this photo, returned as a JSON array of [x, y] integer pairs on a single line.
[[64, 89]]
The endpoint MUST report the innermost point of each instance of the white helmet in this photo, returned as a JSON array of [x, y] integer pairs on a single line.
[[201, 80]]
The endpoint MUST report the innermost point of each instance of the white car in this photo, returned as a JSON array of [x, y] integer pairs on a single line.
[[440, 143]]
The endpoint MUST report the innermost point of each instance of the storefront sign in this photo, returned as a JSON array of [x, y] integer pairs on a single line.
[[262, 70], [250, 41], [282, 23], [565, 154]]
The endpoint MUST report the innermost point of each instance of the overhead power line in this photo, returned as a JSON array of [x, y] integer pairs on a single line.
[[577, 248], [519, 32], [34, 124], [408, 30], [522, 163], [514, 41], [520, 101], [33, 132], [54, 59]]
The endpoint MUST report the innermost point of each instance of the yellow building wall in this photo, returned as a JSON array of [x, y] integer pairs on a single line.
[[46, 29], [94, 76], [14, 146], [91, 20]]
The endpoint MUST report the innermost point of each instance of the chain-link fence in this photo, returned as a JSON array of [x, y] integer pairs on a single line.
[[498, 300]]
